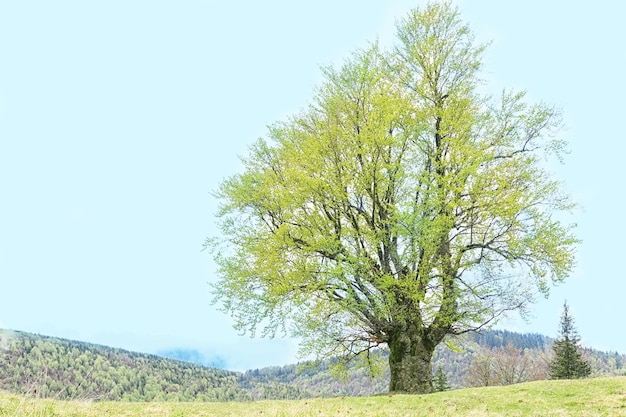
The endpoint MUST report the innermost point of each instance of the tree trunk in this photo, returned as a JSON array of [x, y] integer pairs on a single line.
[[410, 364]]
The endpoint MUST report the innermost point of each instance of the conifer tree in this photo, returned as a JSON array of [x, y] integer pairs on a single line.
[[440, 382], [568, 362]]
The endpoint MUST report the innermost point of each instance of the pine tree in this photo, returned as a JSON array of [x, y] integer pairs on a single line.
[[568, 362], [440, 382]]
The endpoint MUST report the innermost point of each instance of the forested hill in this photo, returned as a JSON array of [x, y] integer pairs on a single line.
[[64, 369], [500, 338]]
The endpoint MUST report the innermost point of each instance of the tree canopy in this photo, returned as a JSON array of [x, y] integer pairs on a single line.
[[401, 206]]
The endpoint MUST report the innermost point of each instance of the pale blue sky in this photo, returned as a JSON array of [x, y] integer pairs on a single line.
[[118, 118]]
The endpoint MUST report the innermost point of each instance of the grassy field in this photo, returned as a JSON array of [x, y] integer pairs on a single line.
[[591, 397]]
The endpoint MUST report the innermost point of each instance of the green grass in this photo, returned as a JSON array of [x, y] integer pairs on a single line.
[[589, 397]]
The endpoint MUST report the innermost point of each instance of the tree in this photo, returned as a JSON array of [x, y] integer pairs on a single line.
[[480, 371], [440, 382], [505, 365], [568, 362], [400, 207]]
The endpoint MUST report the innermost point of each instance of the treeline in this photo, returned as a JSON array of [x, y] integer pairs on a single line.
[[515, 357], [460, 357], [500, 357], [455, 359], [502, 338], [64, 369], [317, 379], [50, 367]]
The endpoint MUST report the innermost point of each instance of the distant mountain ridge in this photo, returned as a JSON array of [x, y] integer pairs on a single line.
[[64, 369]]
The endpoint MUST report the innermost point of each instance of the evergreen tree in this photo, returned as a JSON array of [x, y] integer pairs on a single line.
[[440, 382], [568, 362]]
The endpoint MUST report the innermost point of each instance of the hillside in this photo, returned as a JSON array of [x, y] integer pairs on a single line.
[[50, 367], [587, 397]]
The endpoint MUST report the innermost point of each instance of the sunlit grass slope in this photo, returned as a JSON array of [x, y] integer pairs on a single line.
[[590, 397]]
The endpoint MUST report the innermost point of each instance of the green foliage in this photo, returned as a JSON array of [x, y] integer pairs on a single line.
[[56, 368], [440, 381], [400, 207], [568, 362]]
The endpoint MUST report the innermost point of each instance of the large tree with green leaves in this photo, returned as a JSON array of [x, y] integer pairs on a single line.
[[568, 362], [401, 206]]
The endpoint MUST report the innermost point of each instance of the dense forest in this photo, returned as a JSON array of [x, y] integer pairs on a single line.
[[51, 367], [65, 369]]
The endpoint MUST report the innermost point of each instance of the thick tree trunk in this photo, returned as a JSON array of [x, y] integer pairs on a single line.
[[410, 364]]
